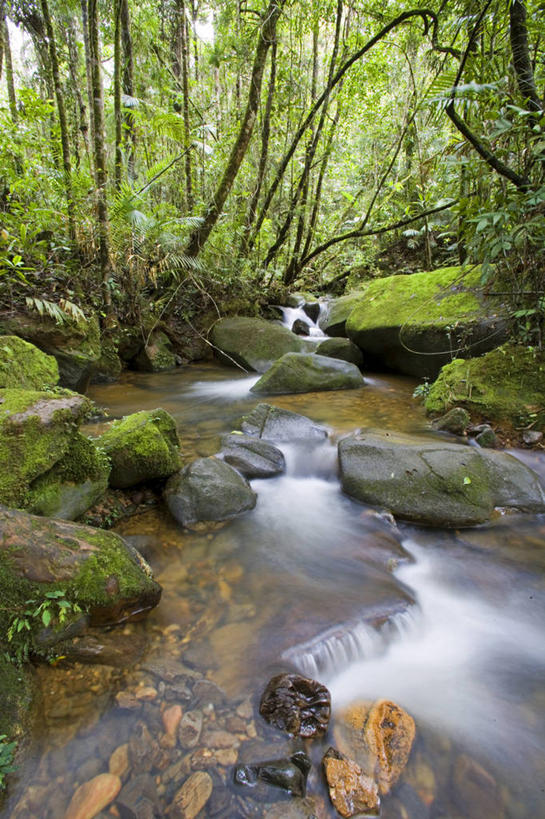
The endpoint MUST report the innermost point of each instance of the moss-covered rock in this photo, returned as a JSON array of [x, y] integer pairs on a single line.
[[208, 490], [417, 323], [109, 366], [440, 484], [333, 321], [143, 446], [23, 366], [74, 484], [108, 579], [156, 355], [253, 342], [75, 344], [36, 431], [507, 384], [341, 348], [307, 372]]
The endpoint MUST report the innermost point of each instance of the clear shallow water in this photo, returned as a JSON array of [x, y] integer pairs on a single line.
[[449, 625]]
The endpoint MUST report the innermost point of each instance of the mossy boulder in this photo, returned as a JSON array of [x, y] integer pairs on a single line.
[[507, 384], [417, 323], [333, 320], [36, 432], [155, 356], [341, 348], [308, 372], [141, 447], [74, 344], [23, 366], [74, 484], [108, 579], [109, 366], [208, 490], [447, 485], [253, 343]]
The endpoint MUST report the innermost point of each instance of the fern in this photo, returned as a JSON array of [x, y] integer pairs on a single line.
[[60, 313]]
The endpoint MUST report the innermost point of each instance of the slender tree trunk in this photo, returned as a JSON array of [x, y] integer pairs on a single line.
[[87, 52], [74, 76], [99, 152], [185, 92], [266, 36], [9, 68], [265, 136], [63, 127], [194, 13], [522, 63], [118, 161], [128, 87]]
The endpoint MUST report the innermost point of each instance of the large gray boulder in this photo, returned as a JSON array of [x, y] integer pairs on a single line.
[[253, 342], [333, 320], [276, 424], [206, 490], [252, 457], [341, 348], [440, 484], [308, 372]]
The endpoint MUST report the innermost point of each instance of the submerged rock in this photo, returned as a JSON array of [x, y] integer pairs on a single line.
[[296, 704], [253, 342], [412, 323], [389, 734], [308, 372], [91, 797], [287, 775], [143, 446], [206, 490], [341, 348], [23, 366], [275, 424], [352, 792], [435, 483], [252, 457], [96, 569], [193, 795], [475, 790]]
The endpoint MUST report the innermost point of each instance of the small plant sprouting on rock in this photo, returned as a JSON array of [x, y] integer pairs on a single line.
[[52, 610], [422, 390], [7, 751]]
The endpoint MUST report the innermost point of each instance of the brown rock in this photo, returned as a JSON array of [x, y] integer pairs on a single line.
[[296, 704], [127, 700], [220, 739], [226, 756], [146, 694], [476, 792], [190, 728], [171, 719], [93, 796], [193, 795], [389, 734], [119, 761], [350, 790]]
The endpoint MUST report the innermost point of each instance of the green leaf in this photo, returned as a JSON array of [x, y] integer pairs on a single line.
[[467, 481], [46, 617]]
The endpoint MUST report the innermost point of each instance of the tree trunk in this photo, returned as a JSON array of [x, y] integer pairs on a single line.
[[185, 92], [9, 68], [521, 56], [87, 52], [128, 87], [118, 162], [266, 36], [99, 152], [74, 76], [63, 127]]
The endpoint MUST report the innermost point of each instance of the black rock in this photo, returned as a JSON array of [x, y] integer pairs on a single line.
[[300, 328], [288, 776], [312, 310], [296, 704]]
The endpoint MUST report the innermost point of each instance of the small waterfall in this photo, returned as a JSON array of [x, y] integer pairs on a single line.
[[336, 649], [291, 314]]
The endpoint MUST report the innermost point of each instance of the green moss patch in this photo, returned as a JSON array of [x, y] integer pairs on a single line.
[[506, 384], [23, 366]]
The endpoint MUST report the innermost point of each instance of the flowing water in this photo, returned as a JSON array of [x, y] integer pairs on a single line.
[[447, 624]]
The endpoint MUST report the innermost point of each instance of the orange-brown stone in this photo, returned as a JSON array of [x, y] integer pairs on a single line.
[[352, 792], [93, 796]]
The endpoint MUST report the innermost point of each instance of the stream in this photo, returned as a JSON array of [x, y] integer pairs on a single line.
[[449, 624]]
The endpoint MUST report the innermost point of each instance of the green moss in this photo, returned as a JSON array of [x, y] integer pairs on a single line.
[[441, 298], [506, 384], [36, 429], [16, 693], [142, 446], [23, 366]]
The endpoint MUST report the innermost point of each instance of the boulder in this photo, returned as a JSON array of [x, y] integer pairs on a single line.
[[435, 483], [507, 384], [333, 321], [252, 342], [312, 310], [109, 366], [155, 356], [275, 424], [36, 432], [252, 457], [351, 791], [108, 579], [307, 372], [75, 344], [300, 328], [298, 298], [23, 366], [296, 704], [208, 489], [341, 348], [416, 323], [455, 421], [74, 484], [143, 446]]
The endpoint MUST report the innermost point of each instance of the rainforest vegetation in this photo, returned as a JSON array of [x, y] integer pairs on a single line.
[[184, 158]]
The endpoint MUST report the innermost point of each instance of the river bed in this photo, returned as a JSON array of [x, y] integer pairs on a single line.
[[447, 624]]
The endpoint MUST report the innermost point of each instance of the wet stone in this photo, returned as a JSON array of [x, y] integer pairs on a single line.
[[119, 761], [273, 779], [352, 792], [475, 790], [192, 796], [190, 729], [296, 704], [389, 734], [91, 797]]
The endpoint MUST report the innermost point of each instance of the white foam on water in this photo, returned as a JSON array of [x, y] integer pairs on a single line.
[[231, 389]]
